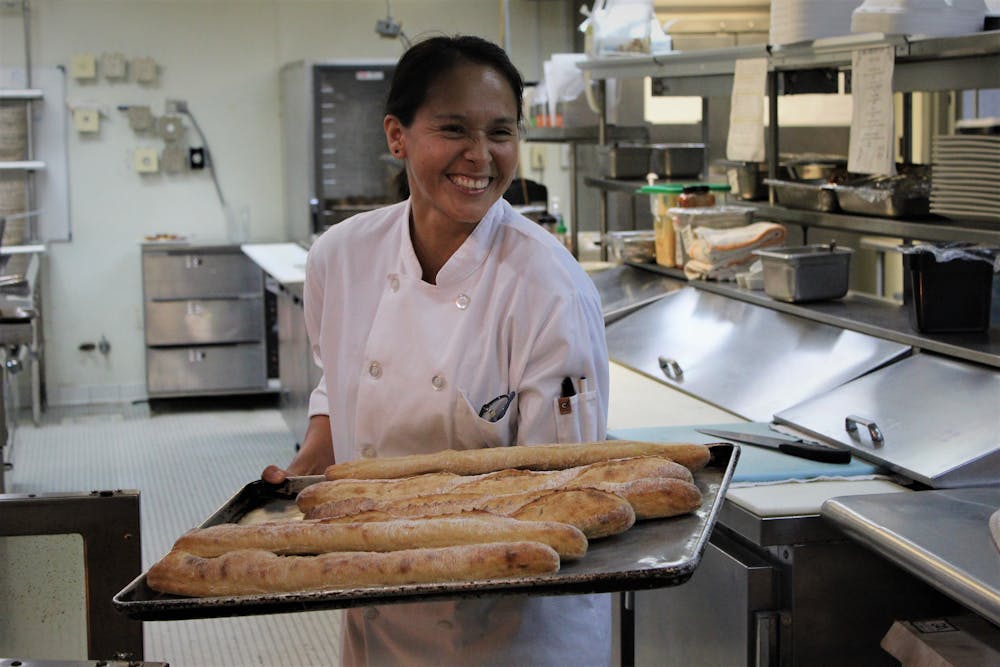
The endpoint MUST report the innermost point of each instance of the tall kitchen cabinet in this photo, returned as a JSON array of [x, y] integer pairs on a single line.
[[204, 321]]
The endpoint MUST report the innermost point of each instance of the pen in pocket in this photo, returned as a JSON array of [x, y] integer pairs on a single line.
[[567, 392]]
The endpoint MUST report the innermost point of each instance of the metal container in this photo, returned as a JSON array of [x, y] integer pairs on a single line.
[[626, 160], [808, 196], [806, 273], [906, 194]]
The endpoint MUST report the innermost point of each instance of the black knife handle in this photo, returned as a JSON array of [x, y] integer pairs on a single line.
[[815, 452]]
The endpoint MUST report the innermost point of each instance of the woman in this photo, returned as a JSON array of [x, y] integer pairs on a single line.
[[423, 313]]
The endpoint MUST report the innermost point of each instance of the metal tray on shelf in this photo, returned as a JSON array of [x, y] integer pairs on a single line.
[[905, 195], [652, 554], [800, 195]]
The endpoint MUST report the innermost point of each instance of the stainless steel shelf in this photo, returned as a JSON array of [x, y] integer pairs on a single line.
[[707, 62], [21, 165], [585, 134], [931, 229], [922, 64]]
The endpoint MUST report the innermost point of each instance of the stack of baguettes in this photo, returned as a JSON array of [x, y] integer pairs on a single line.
[[455, 515]]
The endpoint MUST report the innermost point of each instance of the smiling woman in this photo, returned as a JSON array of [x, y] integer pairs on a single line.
[[423, 313]]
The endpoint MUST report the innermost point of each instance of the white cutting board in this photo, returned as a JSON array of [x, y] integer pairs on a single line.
[[795, 498]]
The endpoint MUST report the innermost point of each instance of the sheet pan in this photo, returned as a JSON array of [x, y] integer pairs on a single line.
[[652, 554]]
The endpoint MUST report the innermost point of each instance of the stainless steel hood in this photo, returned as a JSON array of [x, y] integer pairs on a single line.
[[932, 419], [747, 359]]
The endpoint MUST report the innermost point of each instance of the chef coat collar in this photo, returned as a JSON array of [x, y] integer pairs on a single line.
[[469, 256]]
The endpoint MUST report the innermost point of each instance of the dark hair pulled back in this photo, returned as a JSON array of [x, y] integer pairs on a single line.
[[426, 61]]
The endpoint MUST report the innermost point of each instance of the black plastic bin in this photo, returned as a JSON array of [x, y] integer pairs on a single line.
[[951, 296]]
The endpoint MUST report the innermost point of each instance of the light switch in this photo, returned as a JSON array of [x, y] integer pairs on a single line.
[[87, 120], [146, 160], [83, 66], [114, 66], [140, 118], [145, 70]]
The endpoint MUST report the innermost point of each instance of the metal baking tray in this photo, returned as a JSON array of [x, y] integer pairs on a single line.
[[652, 554], [808, 196]]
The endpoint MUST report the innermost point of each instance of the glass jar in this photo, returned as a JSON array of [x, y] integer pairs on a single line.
[[696, 196]]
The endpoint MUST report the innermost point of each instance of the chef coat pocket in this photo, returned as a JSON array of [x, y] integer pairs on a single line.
[[576, 417], [475, 432]]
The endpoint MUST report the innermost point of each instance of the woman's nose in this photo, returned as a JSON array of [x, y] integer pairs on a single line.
[[478, 149]]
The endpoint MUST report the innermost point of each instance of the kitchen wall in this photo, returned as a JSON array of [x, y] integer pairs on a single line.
[[222, 57]]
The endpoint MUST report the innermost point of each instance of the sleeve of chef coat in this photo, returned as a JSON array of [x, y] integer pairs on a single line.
[[312, 303], [567, 341]]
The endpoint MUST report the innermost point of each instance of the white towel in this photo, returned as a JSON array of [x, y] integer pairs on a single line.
[[722, 253]]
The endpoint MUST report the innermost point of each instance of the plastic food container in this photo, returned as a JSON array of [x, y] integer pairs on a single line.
[[951, 289], [686, 220], [662, 198], [806, 273], [637, 246]]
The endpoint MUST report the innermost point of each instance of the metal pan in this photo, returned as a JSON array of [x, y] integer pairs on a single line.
[[651, 554]]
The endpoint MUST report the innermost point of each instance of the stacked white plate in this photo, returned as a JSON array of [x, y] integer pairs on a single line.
[[806, 20], [965, 181], [935, 18]]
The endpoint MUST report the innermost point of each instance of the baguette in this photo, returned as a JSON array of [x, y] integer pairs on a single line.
[[495, 483], [539, 457], [596, 513], [316, 537], [255, 571], [656, 497]]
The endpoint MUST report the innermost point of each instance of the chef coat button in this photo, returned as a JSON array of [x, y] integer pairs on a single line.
[[444, 625], [437, 382], [394, 282], [375, 369], [368, 451], [371, 613], [462, 301]]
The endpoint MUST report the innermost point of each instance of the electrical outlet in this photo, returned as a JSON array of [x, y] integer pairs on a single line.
[[114, 66], [146, 161], [87, 120], [83, 67], [537, 158], [140, 118], [196, 158]]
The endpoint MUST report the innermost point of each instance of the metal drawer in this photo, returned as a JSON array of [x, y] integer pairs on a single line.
[[182, 274], [204, 321], [216, 368]]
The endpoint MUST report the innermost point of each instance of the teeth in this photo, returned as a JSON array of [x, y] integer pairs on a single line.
[[470, 183]]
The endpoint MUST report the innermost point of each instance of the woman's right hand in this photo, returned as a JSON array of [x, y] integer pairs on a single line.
[[315, 455]]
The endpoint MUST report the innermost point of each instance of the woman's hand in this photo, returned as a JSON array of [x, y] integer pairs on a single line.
[[315, 455]]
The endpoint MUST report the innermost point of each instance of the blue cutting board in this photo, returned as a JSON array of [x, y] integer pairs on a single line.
[[756, 464]]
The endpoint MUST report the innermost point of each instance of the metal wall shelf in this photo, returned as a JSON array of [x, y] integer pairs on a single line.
[[20, 94], [22, 165]]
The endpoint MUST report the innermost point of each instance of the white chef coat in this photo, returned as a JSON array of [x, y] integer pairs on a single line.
[[406, 368]]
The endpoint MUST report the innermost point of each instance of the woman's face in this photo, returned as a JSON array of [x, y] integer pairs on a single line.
[[461, 149]]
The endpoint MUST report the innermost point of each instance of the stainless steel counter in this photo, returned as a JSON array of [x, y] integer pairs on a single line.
[[942, 537]]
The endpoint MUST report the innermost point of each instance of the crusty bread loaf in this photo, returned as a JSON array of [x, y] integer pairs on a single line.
[[316, 537], [656, 497], [539, 457], [256, 571], [596, 513], [495, 483]]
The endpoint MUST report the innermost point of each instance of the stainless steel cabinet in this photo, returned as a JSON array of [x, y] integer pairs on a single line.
[[298, 373], [204, 321]]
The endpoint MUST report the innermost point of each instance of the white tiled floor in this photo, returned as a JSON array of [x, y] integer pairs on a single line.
[[185, 464]]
